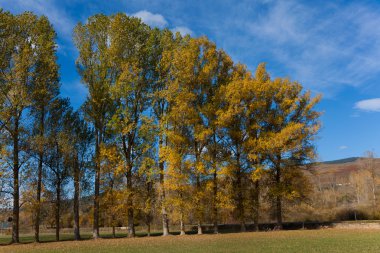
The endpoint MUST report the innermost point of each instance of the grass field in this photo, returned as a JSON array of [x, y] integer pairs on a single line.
[[327, 240]]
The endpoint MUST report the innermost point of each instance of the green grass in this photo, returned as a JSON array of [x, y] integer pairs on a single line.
[[50, 237], [327, 240]]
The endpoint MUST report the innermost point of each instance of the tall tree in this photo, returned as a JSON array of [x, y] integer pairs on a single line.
[[165, 45], [18, 42], [215, 154], [93, 63], [130, 45], [194, 68], [77, 153], [233, 121], [178, 181], [45, 88], [58, 157], [292, 125]]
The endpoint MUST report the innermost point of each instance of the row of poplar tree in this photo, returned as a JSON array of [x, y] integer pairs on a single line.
[[171, 125]]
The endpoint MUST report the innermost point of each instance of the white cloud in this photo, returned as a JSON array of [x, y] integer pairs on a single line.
[[343, 147], [154, 20], [183, 30], [370, 105]]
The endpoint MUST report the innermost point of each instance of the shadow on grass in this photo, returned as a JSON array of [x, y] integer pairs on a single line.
[[223, 229]]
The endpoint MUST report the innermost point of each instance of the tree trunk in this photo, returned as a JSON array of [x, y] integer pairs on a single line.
[[131, 225], [38, 206], [57, 210], [127, 153], [182, 225], [16, 194], [256, 204], [95, 231], [198, 203], [278, 198], [113, 231], [76, 199], [279, 212], [148, 229], [199, 214], [148, 216], [215, 199], [165, 221], [39, 180], [240, 196]]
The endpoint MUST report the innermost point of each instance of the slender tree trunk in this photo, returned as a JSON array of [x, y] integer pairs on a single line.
[[38, 206], [131, 225], [57, 210], [198, 207], [215, 184], [148, 229], [76, 199], [165, 220], [182, 225], [215, 200], [240, 196], [256, 204], [278, 198], [39, 180], [113, 229], [128, 158], [16, 196], [150, 197], [198, 192], [279, 212], [95, 231]]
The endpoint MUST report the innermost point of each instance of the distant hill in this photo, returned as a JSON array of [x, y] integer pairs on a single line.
[[338, 171], [345, 160]]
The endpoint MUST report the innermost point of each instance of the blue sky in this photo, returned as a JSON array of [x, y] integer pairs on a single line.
[[331, 47]]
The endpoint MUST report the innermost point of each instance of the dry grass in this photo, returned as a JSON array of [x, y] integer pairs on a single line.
[[328, 240]]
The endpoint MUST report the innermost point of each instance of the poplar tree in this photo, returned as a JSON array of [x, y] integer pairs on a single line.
[[233, 121], [58, 157], [215, 153], [178, 181], [292, 123], [93, 64], [18, 42], [165, 44], [77, 152], [194, 70], [45, 88], [130, 45]]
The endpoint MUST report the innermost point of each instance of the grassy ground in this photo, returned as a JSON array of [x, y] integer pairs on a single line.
[[327, 240]]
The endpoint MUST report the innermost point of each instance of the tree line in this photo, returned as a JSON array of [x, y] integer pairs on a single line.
[[171, 127]]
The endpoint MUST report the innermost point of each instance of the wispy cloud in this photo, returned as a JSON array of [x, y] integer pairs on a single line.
[[343, 147], [183, 30], [158, 20], [152, 19], [61, 21], [370, 105], [325, 47]]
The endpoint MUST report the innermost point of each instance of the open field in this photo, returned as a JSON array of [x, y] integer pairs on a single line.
[[326, 240]]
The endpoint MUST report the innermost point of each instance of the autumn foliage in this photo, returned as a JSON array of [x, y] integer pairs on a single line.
[[171, 131]]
